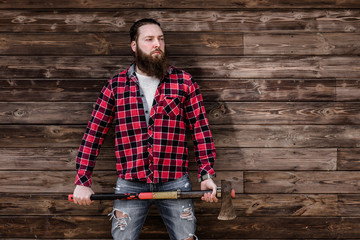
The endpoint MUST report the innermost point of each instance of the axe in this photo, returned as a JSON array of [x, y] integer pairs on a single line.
[[225, 192]]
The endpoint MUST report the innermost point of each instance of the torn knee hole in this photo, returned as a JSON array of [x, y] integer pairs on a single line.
[[119, 214], [187, 214], [121, 218]]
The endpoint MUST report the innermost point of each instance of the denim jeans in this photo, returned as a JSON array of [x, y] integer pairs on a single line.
[[178, 214]]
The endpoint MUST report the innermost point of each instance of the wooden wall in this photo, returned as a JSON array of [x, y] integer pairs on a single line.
[[281, 84]]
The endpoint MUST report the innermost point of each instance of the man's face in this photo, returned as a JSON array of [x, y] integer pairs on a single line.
[[150, 41], [149, 49]]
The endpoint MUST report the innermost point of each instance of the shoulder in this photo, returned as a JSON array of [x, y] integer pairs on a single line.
[[180, 75], [118, 80]]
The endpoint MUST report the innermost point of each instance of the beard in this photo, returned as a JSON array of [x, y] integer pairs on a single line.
[[153, 66]]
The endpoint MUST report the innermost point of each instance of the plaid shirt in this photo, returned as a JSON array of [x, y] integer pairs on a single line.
[[151, 152]]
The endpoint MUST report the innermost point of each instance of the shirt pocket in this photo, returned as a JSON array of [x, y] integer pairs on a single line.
[[171, 106]]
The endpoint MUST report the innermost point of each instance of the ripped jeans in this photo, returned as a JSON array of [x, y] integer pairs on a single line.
[[178, 214]]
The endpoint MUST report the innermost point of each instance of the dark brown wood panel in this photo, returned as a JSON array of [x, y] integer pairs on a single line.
[[348, 159], [227, 159], [208, 226], [97, 44], [182, 20], [302, 182], [286, 136], [103, 181], [283, 113], [218, 113], [280, 83], [13, 67], [73, 90], [183, 44], [348, 90], [252, 205], [302, 44], [203, 4]]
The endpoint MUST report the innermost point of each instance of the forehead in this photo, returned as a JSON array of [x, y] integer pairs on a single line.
[[150, 30]]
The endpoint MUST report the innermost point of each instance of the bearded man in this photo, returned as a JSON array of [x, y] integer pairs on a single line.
[[151, 105]]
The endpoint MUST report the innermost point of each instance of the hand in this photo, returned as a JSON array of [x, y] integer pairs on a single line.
[[82, 195], [209, 184]]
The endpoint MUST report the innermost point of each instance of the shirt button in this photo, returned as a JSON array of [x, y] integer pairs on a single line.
[[146, 111]]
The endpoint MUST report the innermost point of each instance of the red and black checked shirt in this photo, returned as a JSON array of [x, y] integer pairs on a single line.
[[152, 152]]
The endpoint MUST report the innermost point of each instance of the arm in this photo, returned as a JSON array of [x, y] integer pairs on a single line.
[[203, 142], [96, 131]]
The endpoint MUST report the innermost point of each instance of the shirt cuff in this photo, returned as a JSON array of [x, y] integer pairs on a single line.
[[206, 176]]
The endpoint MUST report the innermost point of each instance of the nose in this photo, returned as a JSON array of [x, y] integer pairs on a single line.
[[156, 43]]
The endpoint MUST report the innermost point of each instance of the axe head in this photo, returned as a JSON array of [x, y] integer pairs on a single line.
[[227, 211]]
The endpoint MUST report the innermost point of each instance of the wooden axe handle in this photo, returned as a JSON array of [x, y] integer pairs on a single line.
[[152, 195]]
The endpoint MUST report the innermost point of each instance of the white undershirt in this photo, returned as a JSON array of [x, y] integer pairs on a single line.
[[148, 86]]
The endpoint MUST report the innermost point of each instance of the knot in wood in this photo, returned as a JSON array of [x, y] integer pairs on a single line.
[[19, 113], [219, 111], [23, 19]]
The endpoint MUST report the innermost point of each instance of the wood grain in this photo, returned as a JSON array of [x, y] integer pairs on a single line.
[[250, 205], [279, 136], [13, 67], [227, 159], [348, 159], [208, 226], [302, 44], [283, 113], [182, 20], [182, 4], [218, 113], [103, 181], [302, 182], [95, 44], [280, 83], [115, 44], [213, 90]]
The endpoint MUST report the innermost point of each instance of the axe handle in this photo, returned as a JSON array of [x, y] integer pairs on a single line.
[[149, 195]]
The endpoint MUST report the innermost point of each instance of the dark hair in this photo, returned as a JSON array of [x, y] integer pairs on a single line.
[[134, 28]]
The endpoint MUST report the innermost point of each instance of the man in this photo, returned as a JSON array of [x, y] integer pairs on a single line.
[[151, 104]]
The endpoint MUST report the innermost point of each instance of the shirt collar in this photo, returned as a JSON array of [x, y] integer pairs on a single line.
[[131, 72]]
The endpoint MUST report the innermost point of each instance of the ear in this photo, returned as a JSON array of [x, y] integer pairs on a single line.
[[133, 46]]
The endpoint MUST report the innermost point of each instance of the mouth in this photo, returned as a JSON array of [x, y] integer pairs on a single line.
[[157, 52]]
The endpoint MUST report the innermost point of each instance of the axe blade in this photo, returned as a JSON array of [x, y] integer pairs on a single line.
[[227, 211]]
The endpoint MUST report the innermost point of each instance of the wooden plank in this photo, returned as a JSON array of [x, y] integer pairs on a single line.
[[182, 20], [250, 205], [50, 159], [95, 44], [286, 136], [227, 159], [283, 113], [302, 182], [348, 90], [208, 227], [45, 113], [302, 44], [202, 4], [349, 204], [50, 90], [14, 67], [348, 159], [269, 136], [103, 181], [74, 90], [218, 113]]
